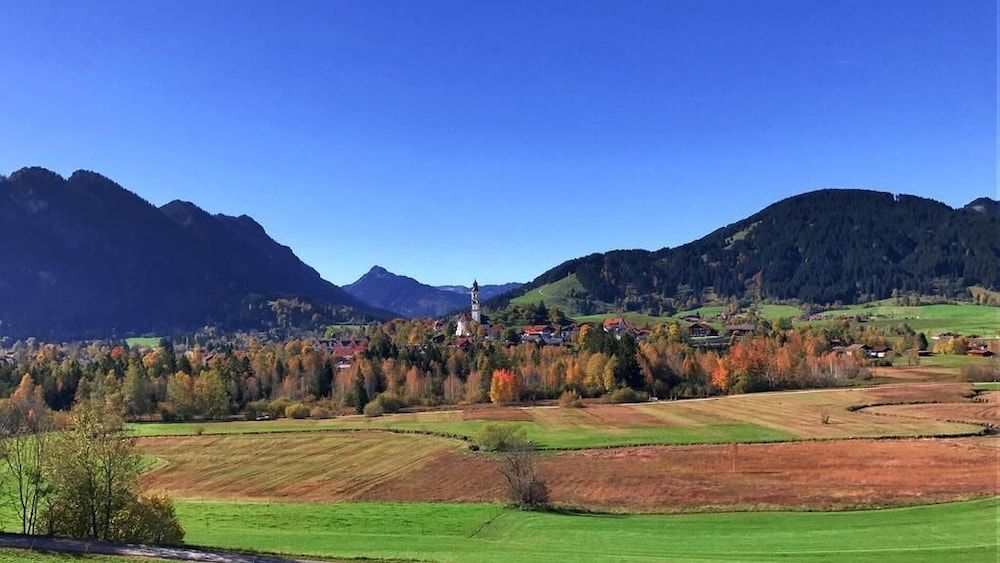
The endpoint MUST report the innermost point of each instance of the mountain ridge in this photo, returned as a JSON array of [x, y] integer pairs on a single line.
[[822, 246], [86, 257]]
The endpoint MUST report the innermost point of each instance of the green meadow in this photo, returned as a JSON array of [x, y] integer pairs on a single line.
[[548, 438], [962, 531]]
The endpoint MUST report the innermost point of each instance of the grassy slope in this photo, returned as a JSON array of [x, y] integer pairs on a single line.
[[962, 318], [555, 294], [963, 531]]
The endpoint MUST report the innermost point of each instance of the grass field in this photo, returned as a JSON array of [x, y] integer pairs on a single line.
[[26, 556], [964, 318], [989, 386], [762, 417], [964, 531], [555, 294], [143, 341]]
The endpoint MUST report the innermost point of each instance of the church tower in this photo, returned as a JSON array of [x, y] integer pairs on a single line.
[[475, 301]]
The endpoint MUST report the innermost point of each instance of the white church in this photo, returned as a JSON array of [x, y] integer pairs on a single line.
[[465, 320]]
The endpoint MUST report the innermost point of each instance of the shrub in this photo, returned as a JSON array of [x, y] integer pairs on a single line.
[[198, 430], [374, 409], [319, 412], [297, 410], [626, 395], [390, 402], [527, 489], [570, 399], [278, 406], [148, 520], [501, 437], [988, 372], [257, 409]]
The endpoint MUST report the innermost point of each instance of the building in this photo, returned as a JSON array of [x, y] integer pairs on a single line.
[[702, 329], [464, 322]]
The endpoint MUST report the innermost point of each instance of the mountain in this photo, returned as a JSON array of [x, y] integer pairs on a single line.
[[405, 296], [984, 205], [85, 257], [819, 247], [487, 291]]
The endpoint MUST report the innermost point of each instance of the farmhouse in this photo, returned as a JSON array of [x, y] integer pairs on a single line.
[[740, 330], [702, 329], [615, 325]]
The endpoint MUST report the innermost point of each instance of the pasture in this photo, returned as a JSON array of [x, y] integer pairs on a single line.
[[143, 341], [963, 531], [962, 318], [760, 417]]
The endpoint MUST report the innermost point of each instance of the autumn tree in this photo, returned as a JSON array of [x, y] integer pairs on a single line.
[[95, 488], [25, 436], [504, 387], [210, 396]]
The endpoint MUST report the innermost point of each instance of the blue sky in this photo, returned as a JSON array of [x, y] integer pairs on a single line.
[[452, 140]]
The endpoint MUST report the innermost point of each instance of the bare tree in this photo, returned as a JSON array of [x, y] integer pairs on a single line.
[[527, 488]]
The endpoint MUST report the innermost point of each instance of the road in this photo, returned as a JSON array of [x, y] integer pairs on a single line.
[[65, 545]]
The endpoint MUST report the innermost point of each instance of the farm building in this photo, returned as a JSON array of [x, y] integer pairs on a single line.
[[702, 330]]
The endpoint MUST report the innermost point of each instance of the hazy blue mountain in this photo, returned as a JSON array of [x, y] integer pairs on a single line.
[[85, 257]]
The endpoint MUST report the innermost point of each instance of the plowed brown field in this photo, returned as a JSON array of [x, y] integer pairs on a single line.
[[321, 467]]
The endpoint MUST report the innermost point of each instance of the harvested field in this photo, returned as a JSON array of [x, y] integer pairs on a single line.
[[985, 412], [329, 467], [760, 417], [305, 467], [496, 414]]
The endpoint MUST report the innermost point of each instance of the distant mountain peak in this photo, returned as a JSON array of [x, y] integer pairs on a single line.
[[984, 205]]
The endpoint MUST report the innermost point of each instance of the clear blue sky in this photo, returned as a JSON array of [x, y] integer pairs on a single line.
[[452, 140]]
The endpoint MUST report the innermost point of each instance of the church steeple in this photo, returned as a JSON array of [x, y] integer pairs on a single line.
[[475, 301]]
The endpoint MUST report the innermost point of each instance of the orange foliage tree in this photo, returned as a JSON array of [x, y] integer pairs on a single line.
[[504, 387]]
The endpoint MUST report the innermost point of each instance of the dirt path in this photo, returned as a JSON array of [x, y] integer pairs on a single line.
[[66, 545]]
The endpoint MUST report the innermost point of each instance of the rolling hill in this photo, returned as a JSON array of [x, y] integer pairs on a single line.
[[85, 257], [820, 247]]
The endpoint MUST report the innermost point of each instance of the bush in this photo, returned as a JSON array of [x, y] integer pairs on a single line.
[[527, 489], [297, 410], [989, 372], [257, 409], [198, 430], [320, 412], [570, 399], [278, 407], [390, 402], [626, 395], [149, 520], [498, 437], [374, 409]]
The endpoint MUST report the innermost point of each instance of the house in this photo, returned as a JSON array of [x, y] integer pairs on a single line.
[[980, 352], [702, 330], [740, 330], [878, 352], [692, 318], [538, 330], [615, 325]]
